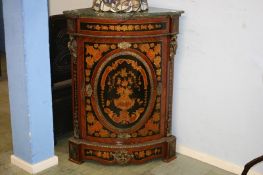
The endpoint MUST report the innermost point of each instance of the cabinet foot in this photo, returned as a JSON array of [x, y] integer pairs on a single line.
[[74, 153], [170, 150]]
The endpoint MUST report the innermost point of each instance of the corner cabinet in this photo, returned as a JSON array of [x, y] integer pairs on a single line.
[[122, 78]]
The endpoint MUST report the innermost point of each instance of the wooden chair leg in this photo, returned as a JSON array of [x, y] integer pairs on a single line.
[[250, 164]]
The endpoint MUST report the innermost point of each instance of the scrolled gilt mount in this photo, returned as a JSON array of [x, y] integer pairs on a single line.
[[173, 46], [122, 157], [120, 5], [72, 46]]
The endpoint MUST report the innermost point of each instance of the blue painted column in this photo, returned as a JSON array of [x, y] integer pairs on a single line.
[[27, 52]]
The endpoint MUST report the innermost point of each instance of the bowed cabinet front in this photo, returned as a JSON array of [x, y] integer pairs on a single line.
[[122, 73]]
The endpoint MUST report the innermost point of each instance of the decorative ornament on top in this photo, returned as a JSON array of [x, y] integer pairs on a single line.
[[120, 5]]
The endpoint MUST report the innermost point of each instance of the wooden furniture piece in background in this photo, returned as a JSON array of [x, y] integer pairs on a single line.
[[60, 75], [122, 72], [0, 65]]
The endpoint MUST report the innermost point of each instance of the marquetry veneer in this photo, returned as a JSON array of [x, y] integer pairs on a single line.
[[122, 78]]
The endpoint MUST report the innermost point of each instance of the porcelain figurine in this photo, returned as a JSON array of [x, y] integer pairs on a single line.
[[120, 5]]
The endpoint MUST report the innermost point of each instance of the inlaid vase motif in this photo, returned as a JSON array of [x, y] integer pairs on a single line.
[[123, 90]]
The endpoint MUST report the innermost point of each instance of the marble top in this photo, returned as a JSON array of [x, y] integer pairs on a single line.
[[151, 12]]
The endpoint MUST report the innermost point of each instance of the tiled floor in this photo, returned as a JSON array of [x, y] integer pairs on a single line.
[[181, 166]]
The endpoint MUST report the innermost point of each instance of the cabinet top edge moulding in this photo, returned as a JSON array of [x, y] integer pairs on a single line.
[[150, 13]]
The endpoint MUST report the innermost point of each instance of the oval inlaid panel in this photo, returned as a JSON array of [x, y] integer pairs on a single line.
[[124, 91]]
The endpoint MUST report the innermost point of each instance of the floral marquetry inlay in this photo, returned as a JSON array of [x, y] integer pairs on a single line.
[[124, 88], [122, 27], [123, 91], [122, 157]]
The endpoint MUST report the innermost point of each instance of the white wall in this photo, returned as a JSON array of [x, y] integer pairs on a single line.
[[58, 6], [218, 96], [218, 100]]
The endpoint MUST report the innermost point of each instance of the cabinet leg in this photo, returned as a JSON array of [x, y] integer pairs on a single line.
[[74, 153], [170, 150]]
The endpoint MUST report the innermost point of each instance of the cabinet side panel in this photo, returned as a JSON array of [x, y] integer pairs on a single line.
[[75, 104], [73, 47], [82, 87], [170, 96], [165, 95], [172, 46]]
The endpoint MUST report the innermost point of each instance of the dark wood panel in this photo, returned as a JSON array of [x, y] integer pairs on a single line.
[[60, 61]]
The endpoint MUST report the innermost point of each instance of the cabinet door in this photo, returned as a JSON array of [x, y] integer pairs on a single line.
[[123, 87]]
